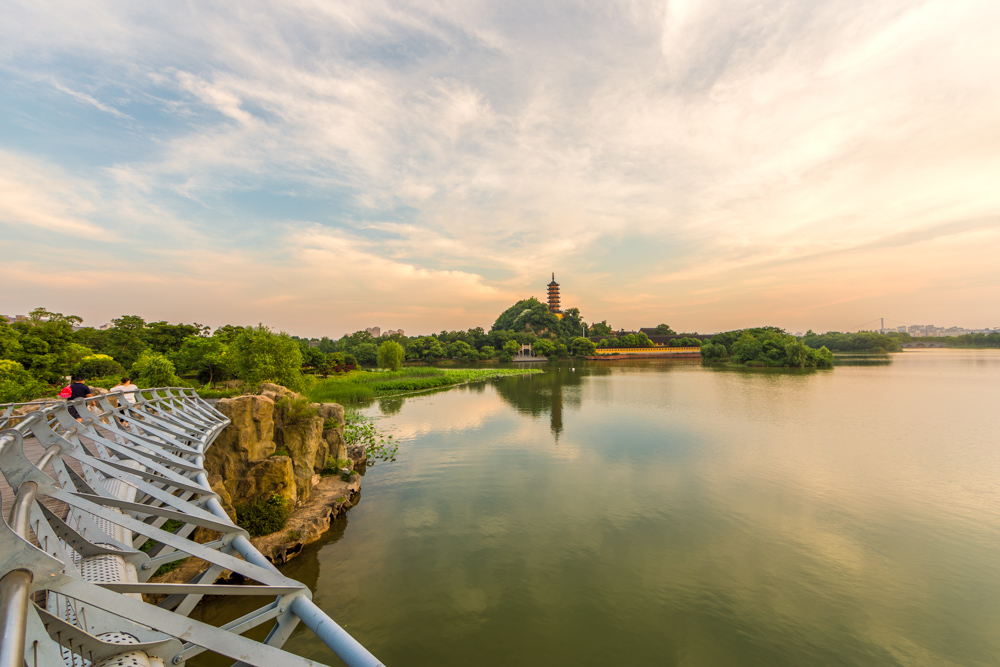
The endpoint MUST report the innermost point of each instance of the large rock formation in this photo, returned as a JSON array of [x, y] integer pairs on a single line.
[[278, 442], [333, 430]]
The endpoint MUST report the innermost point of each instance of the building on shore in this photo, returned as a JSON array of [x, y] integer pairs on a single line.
[[554, 296]]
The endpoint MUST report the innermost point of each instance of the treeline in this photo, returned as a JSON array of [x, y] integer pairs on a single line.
[[861, 342], [965, 340], [763, 347], [37, 354]]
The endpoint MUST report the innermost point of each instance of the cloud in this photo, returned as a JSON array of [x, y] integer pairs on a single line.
[[32, 195], [694, 148], [88, 99]]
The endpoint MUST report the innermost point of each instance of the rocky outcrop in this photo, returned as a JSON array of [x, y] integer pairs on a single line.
[[330, 498], [333, 431], [278, 442]]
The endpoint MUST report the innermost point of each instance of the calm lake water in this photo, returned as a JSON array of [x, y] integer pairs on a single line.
[[664, 513]]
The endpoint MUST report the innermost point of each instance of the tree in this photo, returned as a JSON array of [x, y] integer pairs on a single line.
[[16, 384], [664, 330], [153, 369], [462, 350], [47, 345], [600, 329], [127, 339], [367, 354], [571, 324], [259, 355], [544, 347], [528, 315], [747, 348], [98, 366], [205, 355], [391, 355], [10, 346], [713, 352], [167, 338], [582, 347], [227, 333]]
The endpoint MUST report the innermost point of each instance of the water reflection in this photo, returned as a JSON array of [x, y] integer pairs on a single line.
[[686, 517], [862, 359], [557, 388]]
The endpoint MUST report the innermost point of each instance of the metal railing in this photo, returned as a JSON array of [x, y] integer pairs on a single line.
[[72, 573]]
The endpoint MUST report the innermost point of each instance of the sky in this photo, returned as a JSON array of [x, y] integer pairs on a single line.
[[322, 167]]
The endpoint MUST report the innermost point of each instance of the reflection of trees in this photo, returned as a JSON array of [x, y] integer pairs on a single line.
[[549, 392], [391, 405]]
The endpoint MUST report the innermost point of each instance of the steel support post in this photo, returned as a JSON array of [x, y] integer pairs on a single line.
[[15, 589]]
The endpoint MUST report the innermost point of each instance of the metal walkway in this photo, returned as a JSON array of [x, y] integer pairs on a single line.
[[72, 574]]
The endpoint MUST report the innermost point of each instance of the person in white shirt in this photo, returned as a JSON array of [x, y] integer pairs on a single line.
[[128, 394]]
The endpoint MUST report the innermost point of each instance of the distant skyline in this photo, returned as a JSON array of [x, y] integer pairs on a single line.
[[324, 167]]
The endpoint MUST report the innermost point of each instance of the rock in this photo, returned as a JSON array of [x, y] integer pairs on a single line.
[[331, 498], [249, 438], [302, 440], [264, 478], [279, 420], [334, 437], [225, 499]]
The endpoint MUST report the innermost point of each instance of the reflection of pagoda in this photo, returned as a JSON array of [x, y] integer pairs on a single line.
[[554, 296]]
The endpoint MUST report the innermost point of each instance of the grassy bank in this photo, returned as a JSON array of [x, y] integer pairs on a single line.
[[359, 386]]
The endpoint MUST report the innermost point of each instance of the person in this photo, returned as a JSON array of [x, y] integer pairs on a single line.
[[77, 389], [128, 391]]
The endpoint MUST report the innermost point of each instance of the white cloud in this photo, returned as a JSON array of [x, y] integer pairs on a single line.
[[725, 138]]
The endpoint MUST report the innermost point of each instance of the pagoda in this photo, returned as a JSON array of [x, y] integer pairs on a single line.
[[554, 296]]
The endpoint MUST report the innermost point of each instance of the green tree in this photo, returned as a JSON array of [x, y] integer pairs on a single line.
[[544, 347], [259, 355], [391, 355], [207, 356], [227, 333], [747, 348], [98, 366], [601, 329], [713, 352], [127, 339], [167, 338], [47, 346], [153, 369], [17, 385], [582, 347], [10, 346], [571, 324], [664, 330], [366, 354], [529, 315]]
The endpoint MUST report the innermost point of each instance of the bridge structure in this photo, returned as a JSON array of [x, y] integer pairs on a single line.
[[101, 492]]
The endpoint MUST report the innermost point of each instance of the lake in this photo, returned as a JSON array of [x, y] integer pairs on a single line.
[[664, 513]]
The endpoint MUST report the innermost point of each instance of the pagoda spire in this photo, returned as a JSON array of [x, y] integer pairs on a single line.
[[554, 295]]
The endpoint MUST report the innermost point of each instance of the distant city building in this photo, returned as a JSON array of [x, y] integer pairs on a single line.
[[313, 343], [554, 296], [105, 327], [374, 331], [393, 332]]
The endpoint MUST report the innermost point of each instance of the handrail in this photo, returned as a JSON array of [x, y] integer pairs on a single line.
[[155, 463]]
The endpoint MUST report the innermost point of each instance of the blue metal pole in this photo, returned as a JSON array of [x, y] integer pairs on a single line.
[[344, 645]]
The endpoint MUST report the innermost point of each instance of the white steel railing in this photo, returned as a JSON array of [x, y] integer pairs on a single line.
[[72, 575]]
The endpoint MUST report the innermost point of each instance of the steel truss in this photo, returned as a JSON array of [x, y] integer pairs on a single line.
[[72, 574]]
